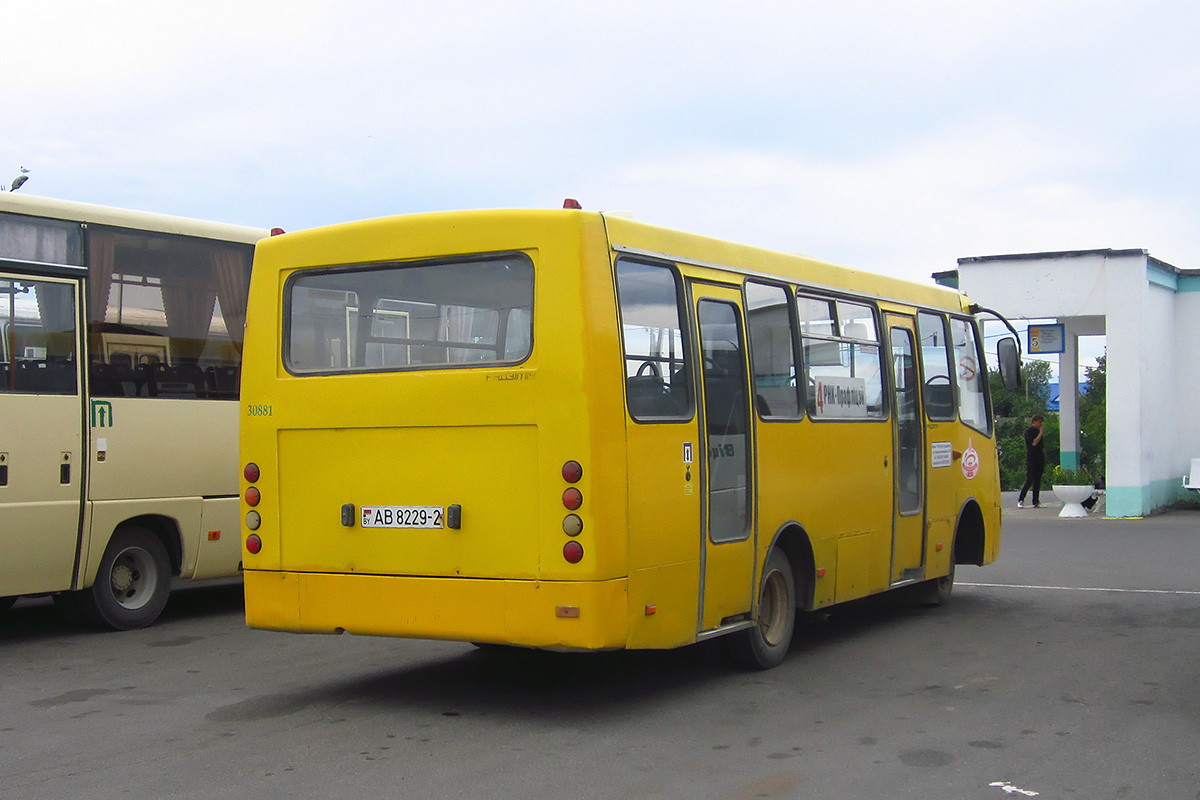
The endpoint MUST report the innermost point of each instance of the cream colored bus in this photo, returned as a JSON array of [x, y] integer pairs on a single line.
[[120, 355], [565, 430]]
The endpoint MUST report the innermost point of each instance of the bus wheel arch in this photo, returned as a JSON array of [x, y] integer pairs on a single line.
[[784, 590], [794, 542], [969, 535], [966, 548], [133, 579]]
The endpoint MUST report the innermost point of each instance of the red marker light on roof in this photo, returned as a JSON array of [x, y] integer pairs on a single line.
[[277, 231], [571, 203]]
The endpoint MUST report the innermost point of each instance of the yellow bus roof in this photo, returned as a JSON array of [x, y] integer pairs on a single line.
[[314, 246]]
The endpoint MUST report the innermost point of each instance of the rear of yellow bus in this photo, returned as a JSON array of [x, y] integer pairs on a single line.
[[426, 403]]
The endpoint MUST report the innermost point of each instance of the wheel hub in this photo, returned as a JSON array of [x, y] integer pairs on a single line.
[[122, 578]]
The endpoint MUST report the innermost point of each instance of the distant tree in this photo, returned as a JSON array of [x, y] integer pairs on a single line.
[[1093, 419], [1033, 397], [1013, 410]]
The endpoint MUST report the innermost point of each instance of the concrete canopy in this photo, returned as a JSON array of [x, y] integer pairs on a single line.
[[1149, 312]]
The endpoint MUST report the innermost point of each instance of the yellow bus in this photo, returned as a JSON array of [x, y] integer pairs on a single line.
[[567, 430], [120, 353]]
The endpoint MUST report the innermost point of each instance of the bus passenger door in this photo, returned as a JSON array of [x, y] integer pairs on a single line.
[[908, 527], [728, 572], [41, 434]]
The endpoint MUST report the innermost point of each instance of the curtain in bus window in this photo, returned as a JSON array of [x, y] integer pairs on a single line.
[[102, 256], [972, 378], [232, 271], [46, 241], [189, 311], [657, 379], [155, 327]]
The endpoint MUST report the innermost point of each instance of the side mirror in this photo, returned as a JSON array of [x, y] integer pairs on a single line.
[[1010, 363]]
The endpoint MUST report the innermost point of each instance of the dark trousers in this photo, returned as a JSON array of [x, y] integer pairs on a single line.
[[1033, 479]]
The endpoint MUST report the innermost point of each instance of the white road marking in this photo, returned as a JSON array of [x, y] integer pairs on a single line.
[[1079, 588]]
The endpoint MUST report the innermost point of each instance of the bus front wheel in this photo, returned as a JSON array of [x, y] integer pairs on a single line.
[[766, 644], [132, 585]]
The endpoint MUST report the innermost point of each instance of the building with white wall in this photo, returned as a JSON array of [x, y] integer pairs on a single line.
[[1149, 312]]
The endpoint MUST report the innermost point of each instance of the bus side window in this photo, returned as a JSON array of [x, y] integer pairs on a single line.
[[37, 320], [842, 358], [657, 376], [972, 377], [773, 352], [938, 386]]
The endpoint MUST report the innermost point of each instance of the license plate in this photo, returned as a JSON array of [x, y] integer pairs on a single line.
[[403, 517]]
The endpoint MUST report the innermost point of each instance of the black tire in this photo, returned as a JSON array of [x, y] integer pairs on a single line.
[[766, 644], [132, 585], [6, 603], [936, 592]]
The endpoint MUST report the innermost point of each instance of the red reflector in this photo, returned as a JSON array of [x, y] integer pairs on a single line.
[[571, 203], [214, 536], [572, 472], [253, 496], [572, 498], [253, 544], [573, 552], [251, 472], [567, 612]]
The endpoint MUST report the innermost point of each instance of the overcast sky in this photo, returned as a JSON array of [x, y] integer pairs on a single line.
[[894, 137]]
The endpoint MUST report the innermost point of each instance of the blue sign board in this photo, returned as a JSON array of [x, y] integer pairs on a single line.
[[1046, 338]]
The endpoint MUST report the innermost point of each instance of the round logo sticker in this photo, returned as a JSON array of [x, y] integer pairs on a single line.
[[970, 461]]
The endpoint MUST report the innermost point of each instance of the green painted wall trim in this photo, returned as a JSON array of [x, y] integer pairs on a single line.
[[1138, 501], [1068, 460]]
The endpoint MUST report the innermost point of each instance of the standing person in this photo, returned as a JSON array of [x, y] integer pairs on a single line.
[[1035, 461]]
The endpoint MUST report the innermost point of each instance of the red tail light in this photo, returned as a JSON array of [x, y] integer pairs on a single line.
[[572, 498], [251, 472], [253, 544], [572, 472], [253, 496], [573, 552]]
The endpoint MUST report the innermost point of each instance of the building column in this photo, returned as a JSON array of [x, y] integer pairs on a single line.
[[1068, 398]]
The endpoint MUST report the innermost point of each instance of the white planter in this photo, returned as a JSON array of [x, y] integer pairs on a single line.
[[1072, 498]]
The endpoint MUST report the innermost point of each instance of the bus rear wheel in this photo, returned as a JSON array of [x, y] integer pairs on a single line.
[[766, 644], [132, 585], [936, 591]]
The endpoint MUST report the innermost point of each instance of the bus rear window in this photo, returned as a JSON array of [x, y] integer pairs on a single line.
[[410, 315]]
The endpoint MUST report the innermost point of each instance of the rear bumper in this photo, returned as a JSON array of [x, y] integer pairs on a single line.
[[522, 613]]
